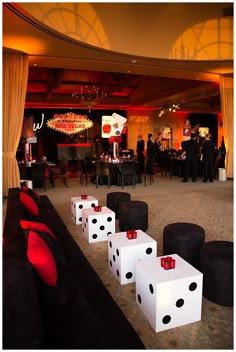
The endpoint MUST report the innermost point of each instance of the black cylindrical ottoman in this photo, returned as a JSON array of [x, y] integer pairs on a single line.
[[184, 239], [114, 199], [216, 264], [133, 215]]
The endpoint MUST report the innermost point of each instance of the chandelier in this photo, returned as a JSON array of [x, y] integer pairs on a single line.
[[169, 107], [89, 96]]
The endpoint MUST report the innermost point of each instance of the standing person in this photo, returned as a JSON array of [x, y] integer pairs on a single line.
[[157, 147], [223, 152], [192, 149], [208, 152], [96, 147], [150, 154], [140, 152]]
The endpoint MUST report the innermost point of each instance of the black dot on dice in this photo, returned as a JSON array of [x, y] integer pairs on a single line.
[[94, 221], [74, 205], [129, 275], [114, 258], [102, 227], [110, 263], [81, 206], [92, 205], [110, 244], [86, 219], [151, 288], [117, 273], [109, 219], [166, 319], [108, 233], [117, 252], [139, 299], [193, 286], [94, 236], [149, 250], [80, 219], [179, 303]]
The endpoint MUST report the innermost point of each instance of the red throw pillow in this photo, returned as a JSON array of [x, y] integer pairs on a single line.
[[47, 235], [25, 188], [42, 259], [30, 201], [29, 204], [30, 225], [55, 248]]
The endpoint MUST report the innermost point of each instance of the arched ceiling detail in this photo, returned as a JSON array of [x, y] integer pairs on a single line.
[[141, 28]]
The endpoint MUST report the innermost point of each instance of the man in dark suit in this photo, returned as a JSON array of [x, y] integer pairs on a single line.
[[208, 153], [192, 150], [140, 152], [150, 154]]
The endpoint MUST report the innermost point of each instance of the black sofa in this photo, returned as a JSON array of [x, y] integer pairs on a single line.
[[79, 313]]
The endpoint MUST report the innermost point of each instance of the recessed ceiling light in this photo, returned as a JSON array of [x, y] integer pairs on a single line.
[[133, 61], [35, 64]]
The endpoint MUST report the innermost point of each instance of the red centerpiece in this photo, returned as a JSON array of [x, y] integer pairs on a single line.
[[131, 234], [168, 263], [97, 208]]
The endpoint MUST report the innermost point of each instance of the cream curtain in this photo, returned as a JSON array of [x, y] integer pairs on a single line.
[[226, 92], [15, 77]]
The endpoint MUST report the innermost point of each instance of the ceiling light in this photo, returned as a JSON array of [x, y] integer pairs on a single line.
[[89, 96], [170, 107]]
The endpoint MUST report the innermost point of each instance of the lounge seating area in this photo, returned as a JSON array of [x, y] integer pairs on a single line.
[[75, 313], [169, 201]]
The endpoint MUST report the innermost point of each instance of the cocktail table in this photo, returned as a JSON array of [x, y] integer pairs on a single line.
[[97, 225], [123, 253], [168, 298]]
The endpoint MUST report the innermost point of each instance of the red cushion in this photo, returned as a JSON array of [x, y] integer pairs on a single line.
[[42, 259], [47, 235], [30, 225], [25, 188], [30, 202]]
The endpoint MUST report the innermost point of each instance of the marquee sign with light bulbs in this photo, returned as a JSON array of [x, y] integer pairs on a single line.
[[69, 123]]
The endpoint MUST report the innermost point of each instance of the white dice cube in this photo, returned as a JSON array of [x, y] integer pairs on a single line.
[[96, 226], [124, 253], [77, 204], [169, 298]]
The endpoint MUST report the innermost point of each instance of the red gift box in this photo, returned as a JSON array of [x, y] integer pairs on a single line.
[[84, 196], [131, 234], [168, 263], [172, 264], [97, 208]]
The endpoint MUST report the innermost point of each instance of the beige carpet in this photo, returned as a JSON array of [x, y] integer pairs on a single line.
[[209, 205]]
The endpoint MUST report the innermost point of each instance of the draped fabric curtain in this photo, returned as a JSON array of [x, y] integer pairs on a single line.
[[15, 77], [226, 93]]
